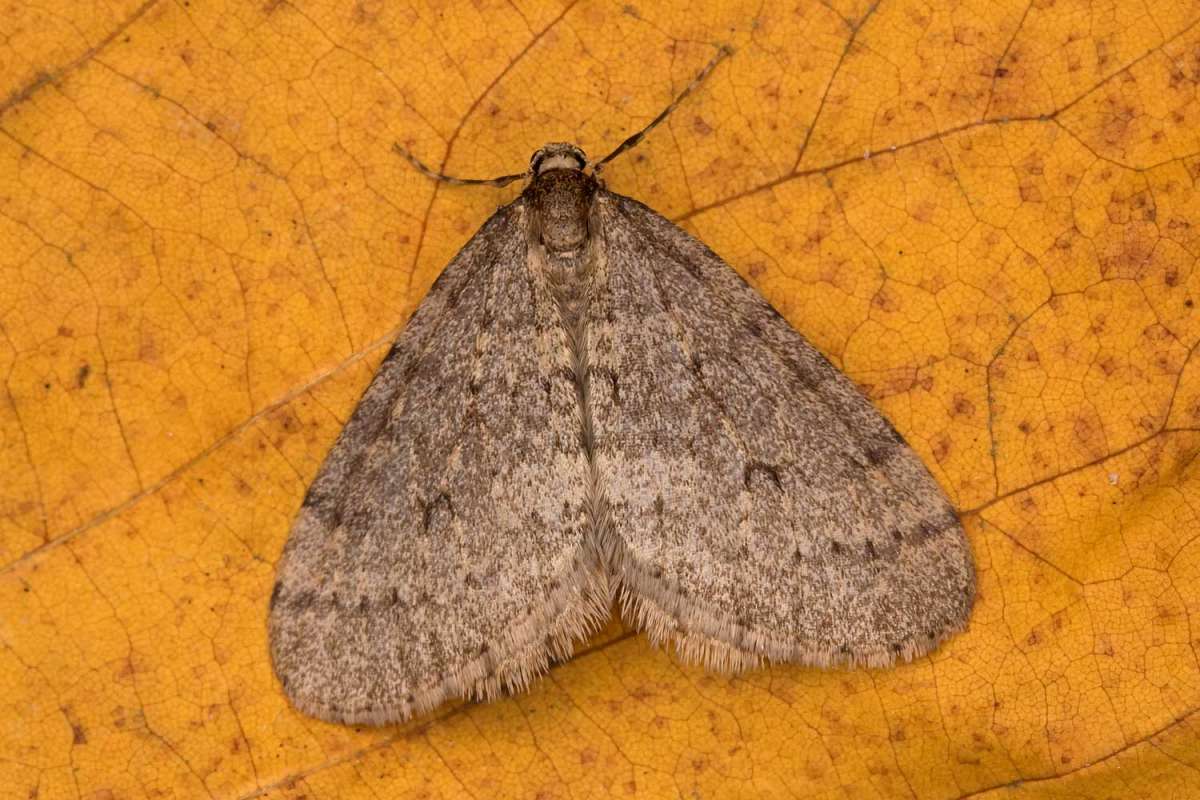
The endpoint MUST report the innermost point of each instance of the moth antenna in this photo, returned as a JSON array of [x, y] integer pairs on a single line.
[[724, 52], [503, 180]]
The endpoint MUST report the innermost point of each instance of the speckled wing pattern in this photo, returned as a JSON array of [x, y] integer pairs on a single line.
[[759, 506], [591, 405], [440, 550]]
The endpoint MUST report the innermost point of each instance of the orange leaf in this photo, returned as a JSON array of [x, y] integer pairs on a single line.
[[988, 216]]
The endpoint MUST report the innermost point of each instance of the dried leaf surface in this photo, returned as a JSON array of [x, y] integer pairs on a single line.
[[987, 214]]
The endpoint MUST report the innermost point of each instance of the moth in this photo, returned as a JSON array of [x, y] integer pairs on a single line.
[[590, 406]]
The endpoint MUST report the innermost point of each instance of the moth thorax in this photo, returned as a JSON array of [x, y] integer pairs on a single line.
[[560, 201]]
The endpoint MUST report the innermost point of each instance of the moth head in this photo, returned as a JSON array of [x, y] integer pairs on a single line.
[[557, 155]]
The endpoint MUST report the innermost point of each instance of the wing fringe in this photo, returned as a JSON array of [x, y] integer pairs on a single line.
[[701, 634], [547, 633]]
